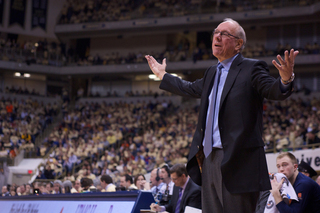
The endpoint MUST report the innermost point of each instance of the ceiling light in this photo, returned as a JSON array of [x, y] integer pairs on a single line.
[[152, 76]]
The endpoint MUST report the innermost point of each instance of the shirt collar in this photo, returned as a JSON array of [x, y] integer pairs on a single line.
[[185, 184], [227, 63]]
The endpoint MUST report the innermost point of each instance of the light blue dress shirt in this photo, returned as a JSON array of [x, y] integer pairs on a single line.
[[224, 73]]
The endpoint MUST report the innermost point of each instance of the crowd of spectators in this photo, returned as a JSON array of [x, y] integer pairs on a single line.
[[33, 52], [136, 137], [120, 137], [182, 52], [150, 93], [55, 54], [21, 122], [132, 139], [80, 11], [292, 124], [20, 91]]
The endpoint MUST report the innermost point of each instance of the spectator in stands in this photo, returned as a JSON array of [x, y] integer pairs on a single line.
[[49, 187], [87, 174], [40, 175], [76, 187], [126, 182], [5, 192], [312, 137], [67, 185], [48, 172], [141, 183], [22, 190], [306, 169], [70, 177], [167, 187], [57, 187], [28, 189], [13, 192], [155, 181], [307, 190], [18, 191], [43, 189], [87, 185], [107, 184]]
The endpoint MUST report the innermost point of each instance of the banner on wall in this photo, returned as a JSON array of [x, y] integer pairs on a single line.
[[39, 14], [17, 12], [310, 156], [1, 10]]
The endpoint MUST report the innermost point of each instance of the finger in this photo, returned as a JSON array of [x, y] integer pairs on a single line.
[[153, 59], [281, 61], [286, 56], [276, 64], [295, 53], [291, 56]]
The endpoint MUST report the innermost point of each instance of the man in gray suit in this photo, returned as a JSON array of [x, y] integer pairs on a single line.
[[226, 155]]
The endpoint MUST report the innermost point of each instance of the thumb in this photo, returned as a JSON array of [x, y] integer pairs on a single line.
[[164, 62]]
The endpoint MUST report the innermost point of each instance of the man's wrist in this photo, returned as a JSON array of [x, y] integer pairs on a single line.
[[287, 81]]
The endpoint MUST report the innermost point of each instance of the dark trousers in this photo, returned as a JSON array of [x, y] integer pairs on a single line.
[[215, 197]]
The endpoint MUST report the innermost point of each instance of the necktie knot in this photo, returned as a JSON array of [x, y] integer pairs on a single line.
[[219, 67]]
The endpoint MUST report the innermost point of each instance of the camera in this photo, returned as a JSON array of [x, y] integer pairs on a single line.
[[36, 191]]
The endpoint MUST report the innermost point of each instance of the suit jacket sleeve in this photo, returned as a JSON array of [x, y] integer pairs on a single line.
[[266, 85], [181, 87]]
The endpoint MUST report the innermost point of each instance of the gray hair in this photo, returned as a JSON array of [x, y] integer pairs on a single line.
[[240, 31]]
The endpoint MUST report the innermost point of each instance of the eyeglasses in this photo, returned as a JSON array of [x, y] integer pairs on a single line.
[[223, 34], [174, 179]]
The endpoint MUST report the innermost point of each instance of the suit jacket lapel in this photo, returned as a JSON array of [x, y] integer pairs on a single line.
[[210, 76], [233, 72]]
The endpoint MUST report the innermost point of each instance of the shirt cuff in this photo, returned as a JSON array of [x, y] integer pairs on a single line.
[[162, 208], [284, 87]]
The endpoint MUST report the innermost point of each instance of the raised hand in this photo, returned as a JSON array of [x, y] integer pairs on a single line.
[[158, 69], [285, 66]]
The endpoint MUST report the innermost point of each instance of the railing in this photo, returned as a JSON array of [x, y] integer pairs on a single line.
[[292, 148]]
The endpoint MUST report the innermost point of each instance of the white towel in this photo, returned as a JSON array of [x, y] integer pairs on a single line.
[[287, 191]]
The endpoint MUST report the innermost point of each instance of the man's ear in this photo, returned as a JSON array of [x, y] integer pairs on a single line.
[[239, 44]]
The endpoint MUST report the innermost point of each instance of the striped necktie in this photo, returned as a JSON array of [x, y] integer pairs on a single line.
[[179, 201]]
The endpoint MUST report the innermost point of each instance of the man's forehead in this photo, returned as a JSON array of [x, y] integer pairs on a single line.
[[284, 159], [173, 175]]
